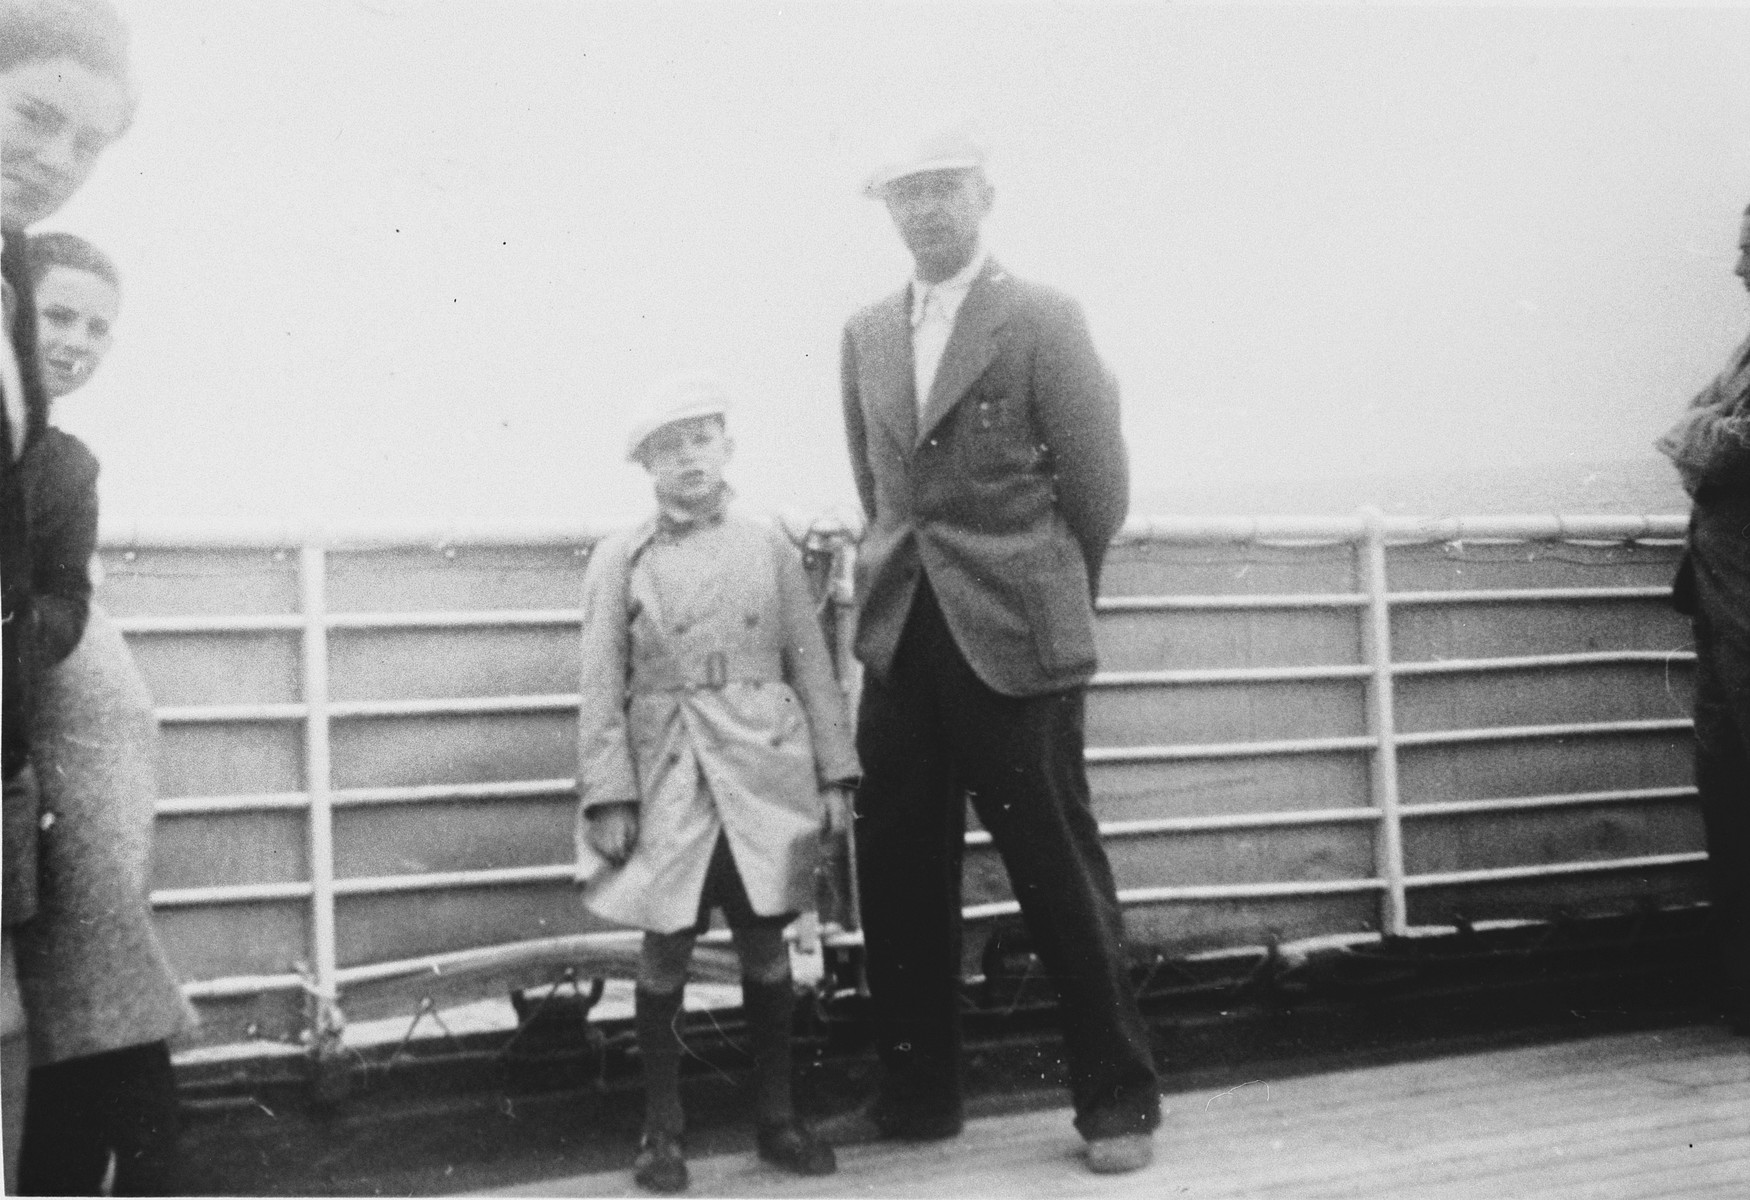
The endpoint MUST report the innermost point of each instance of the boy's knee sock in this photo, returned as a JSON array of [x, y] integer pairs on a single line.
[[770, 1010], [657, 1016]]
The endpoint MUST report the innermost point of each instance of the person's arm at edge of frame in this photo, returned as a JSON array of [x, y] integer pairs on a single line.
[[1710, 443]]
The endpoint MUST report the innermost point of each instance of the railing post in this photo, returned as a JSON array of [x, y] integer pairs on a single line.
[[1388, 846], [326, 1022]]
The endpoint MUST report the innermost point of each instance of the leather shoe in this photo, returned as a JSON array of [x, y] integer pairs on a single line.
[[876, 1122], [661, 1165], [1120, 1154], [794, 1147]]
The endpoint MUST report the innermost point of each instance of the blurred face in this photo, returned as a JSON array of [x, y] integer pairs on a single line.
[[1742, 270], [686, 459], [938, 214], [75, 324], [56, 117]]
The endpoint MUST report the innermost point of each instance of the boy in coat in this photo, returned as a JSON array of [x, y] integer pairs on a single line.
[[713, 742]]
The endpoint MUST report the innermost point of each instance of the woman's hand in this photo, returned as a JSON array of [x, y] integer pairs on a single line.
[[613, 831]]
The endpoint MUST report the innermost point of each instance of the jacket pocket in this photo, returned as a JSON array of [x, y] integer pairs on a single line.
[[1058, 609]]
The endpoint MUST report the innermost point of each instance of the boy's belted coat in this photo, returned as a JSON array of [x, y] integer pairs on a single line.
[[707, 697], [1003, 491]]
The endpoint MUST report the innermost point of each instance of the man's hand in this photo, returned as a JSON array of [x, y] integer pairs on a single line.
[[837, 801], [613, 831]]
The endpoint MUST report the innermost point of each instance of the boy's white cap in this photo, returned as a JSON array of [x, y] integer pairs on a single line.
[[677, 398], [954, 149]]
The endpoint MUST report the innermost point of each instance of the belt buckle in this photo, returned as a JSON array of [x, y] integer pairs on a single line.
[[716, 669]]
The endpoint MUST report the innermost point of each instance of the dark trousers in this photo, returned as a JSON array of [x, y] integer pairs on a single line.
[[1722, 777], [929, 734], [84, 1109]]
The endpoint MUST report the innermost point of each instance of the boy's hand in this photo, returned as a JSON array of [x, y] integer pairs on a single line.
[[613, 831], [839, 815]]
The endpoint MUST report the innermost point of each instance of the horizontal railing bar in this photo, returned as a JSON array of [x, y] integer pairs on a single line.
[[1512, 733], [1526, 662], [507, 618], [457, 619], [1285, 528], [205, 623], [437, 706], [1448, 808], [1259, 749], [1585, 527], [1527, 527], [270, 535], [202, 714], [440, 792], [1217, 823], [486, 957], [377, 885], [1529, 595], [451, 706], [1205, 675], [1217, 603], [229, 893], [238, 986], [191, 806], [357, 797], [1453, 666], [1134, 897], [1553, 870], [361, 535]]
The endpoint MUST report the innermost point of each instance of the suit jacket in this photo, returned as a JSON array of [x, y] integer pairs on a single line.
[[1003, 492]]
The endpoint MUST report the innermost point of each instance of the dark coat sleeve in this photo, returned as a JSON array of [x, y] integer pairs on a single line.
[[856, 433], [1075, 401], [61, 495]]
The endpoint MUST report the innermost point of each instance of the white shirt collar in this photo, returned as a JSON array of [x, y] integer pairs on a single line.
[[952, 289]]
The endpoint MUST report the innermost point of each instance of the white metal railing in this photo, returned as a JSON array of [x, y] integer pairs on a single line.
[[1369, 533]]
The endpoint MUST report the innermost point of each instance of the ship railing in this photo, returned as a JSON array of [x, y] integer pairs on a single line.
[[1368, 541]]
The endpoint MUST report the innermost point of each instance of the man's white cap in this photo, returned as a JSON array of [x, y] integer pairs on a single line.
[[677, 398], [954, 149]]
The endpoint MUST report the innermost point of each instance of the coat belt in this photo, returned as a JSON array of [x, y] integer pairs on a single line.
[[711, 671]]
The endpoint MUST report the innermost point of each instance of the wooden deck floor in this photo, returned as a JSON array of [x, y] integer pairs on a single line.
[[1622, 1117]]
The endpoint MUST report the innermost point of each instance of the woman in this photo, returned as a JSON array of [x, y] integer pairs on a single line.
[[99, 994]]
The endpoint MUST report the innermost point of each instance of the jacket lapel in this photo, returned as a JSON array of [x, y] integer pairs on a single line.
[[971, 347]]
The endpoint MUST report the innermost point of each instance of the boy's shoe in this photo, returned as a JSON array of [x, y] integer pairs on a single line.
[[793, 1146], [661, 1165], [1121, 1153]]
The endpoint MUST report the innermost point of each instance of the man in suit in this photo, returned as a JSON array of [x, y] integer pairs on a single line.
[[984, 436], [1711, 449]]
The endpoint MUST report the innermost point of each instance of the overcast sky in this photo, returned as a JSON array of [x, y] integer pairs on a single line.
[[388, 260]]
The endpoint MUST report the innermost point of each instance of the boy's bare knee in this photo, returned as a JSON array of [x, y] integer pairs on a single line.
[[764, 957], [664, 959]]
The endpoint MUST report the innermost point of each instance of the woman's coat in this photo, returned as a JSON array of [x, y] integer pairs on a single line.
[[708, 698], [95, 975]]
